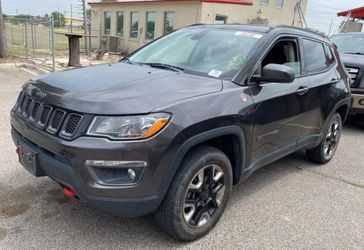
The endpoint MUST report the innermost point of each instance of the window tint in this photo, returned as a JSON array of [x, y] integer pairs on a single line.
[[134, 24], [314, 56], [330, 59], [149, 34], [107, 22], [169, 20], [120, 23], [285, 53]]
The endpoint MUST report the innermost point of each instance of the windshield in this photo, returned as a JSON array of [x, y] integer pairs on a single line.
[[215, 52], [349, 44]]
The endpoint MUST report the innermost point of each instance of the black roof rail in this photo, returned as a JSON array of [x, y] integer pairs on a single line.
[[301, 29]]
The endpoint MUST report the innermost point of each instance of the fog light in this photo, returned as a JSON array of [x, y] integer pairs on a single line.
[[116, 172], [131, 174], [361, 102]]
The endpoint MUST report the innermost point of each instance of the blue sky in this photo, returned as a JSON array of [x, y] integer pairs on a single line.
[[319, 12]]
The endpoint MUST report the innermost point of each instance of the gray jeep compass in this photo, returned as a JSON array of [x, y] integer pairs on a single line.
[[172, 127]]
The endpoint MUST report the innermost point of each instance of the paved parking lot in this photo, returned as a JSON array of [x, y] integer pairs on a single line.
[[292, 203]]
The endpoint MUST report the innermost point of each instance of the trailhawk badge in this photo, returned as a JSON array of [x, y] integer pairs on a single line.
[[39, 93]]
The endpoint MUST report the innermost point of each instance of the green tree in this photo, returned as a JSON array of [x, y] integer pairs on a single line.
[[21, 18], [59, 20]]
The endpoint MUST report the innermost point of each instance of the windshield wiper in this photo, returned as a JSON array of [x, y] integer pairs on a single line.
[[354, 53], [165, 66], [127, 60]]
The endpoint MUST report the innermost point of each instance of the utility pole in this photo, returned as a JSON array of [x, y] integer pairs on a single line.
[[85, 25], [3, 52], [71, 19]]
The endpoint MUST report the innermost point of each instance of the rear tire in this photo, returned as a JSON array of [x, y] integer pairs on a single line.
[[324, 152], [198, 195]]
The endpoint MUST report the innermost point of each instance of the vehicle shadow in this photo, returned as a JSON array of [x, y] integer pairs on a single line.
[[355, 122], [93, 225]]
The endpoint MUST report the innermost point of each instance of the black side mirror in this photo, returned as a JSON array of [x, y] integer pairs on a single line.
[[275, 73]]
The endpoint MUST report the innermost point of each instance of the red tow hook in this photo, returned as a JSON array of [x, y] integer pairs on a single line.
[[69, 192], [17, 151]]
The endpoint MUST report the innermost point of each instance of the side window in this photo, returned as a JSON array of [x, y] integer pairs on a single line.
[[330, 59], [150, 25], [107, 22], [169, 21], [134, 24], [119, 23], [286, 53], [314, 56]]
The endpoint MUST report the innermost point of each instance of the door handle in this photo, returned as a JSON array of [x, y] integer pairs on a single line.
[[302, 90]]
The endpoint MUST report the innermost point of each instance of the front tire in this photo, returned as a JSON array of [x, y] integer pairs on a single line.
[[198, 195], [324, 152]]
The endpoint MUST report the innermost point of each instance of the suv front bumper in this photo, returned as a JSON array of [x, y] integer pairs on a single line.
[[63, 161]]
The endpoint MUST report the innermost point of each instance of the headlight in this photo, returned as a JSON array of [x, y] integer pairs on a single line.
[[128, 127]]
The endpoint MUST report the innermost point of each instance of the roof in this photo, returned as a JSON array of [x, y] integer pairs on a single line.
[[238, 2], [356, 13]]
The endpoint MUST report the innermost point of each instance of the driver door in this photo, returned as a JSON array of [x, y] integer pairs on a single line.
[[277, 115]]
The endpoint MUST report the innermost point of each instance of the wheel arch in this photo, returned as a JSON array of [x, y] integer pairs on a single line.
[[343, 111], [218, 138]]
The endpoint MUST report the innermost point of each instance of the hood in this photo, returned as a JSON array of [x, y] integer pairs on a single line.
[[119, 88], [352, 60]]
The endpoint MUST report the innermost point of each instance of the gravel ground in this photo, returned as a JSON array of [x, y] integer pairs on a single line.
[[291, 204]]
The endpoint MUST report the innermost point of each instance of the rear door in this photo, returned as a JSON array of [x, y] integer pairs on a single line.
[[319, 63], [277, 116]]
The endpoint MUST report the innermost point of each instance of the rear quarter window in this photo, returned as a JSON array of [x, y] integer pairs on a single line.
[[314, 56], [330, 58]]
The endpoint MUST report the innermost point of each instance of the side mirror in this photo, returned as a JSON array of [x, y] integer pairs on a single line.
[[275, 73]]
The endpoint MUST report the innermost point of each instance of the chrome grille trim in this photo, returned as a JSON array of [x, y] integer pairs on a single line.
[[353, 73], [54, 120], [71, 125]]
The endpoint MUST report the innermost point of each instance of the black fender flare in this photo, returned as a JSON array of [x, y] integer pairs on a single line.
[[344, 102], [199, 139]]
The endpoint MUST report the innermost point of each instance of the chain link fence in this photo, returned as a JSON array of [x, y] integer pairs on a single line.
[[36, 38]]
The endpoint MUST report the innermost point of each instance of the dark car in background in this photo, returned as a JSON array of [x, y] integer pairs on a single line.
[[351, 49], [172, 127]]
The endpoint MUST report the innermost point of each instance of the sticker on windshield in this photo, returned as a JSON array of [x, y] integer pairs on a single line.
[[215, 73], [248, 34]]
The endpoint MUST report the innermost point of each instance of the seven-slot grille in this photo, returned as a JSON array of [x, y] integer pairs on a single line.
[[53, 120], [353, 72]]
